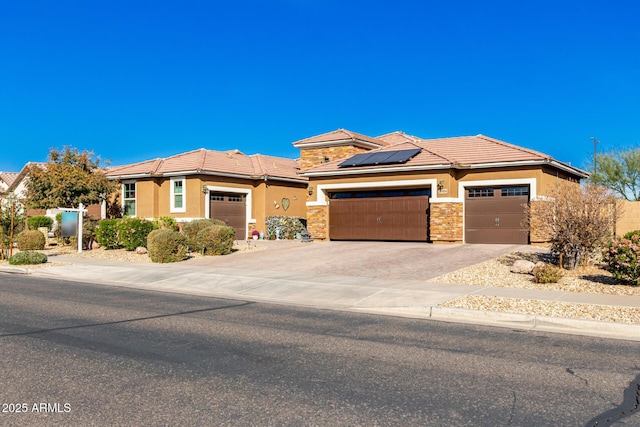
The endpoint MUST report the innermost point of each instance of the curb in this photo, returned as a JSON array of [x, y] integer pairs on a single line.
[[530, 322], [14, 270]]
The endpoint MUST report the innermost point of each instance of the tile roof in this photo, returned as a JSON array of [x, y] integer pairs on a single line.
[[211, 162], [8, 177], [455, 152], [340, 136]]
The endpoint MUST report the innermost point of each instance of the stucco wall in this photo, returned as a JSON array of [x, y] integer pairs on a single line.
[[630, 219]]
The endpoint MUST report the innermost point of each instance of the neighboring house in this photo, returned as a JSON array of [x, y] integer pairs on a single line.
[[239, 189], [399, 187], [18, 187], [6, 179]]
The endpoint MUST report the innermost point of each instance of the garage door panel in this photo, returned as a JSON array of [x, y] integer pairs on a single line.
[[379, 218], [494, 218], [230, 208]]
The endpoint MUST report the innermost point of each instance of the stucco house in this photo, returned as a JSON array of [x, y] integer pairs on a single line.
[[400, 187], [6, 179], [242, 190]]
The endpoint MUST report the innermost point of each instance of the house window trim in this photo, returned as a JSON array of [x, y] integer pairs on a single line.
[[173, 208], [135, 198]]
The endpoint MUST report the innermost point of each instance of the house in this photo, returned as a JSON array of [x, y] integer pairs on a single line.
[[400, 187], [6, 179], [242, 190]]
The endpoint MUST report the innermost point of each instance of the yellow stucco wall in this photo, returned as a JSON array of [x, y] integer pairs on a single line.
[[153, 197]]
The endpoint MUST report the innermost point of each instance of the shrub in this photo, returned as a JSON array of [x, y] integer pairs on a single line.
[[215, 240], [622, 258], [166, 222], [28, 257], [36, 222], [192, 228], [107, 233], [88, 232], [547, 273], [166, 245], [289, 226], [31, 240], [133, 232]]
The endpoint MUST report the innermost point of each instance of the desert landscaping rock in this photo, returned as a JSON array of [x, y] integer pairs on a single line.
[[522, 266]]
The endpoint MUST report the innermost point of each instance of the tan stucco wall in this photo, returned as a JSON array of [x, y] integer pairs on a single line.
[[153, 198], [630, 218]]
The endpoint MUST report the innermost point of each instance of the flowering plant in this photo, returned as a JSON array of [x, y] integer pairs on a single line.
[[622, 257]]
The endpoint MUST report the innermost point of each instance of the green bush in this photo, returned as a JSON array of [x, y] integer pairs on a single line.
[[547, 273], [88, 232], [28, 257], [133, 232], [166, 222], [165, 245], [107, 233], [31, 240], [36, 222], [215, 240], [622, 258], [192, 228], [289, 227]]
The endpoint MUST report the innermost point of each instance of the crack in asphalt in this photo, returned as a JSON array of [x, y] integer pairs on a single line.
[[628, 407], [116, 322]]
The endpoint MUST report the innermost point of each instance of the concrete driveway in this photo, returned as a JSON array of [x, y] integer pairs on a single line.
[[382, 260]]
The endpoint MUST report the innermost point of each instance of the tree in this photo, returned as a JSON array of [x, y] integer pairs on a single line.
[[577, 221], [620, 171], [69, 178]]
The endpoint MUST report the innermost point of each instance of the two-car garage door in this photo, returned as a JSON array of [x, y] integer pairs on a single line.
[[379, 218]]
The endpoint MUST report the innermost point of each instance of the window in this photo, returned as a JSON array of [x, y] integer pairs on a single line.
[[178, 196], [129, 198], [515, 191], [217, 197], [235, 198], [481, 192]]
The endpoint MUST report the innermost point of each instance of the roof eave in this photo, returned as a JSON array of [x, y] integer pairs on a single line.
[[554, 163], [353, 171]]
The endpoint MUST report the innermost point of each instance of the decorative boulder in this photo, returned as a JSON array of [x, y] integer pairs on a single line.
[[141, 250], [95, 245], [522, 266]]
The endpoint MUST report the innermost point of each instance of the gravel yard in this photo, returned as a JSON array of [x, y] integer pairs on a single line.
[[496, 272]]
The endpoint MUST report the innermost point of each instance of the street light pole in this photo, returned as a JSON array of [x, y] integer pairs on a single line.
[[595, 165]]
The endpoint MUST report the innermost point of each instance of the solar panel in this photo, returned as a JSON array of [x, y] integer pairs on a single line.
[[380, 158]]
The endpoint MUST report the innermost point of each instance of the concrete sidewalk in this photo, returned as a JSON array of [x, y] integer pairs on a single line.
[[358, 293]]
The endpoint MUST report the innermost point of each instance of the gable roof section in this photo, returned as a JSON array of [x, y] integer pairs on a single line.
[[210, 162], [444, 153], [7, 179], [340, 137]]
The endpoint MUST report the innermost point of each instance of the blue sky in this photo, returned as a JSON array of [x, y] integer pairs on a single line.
[[135, 80]]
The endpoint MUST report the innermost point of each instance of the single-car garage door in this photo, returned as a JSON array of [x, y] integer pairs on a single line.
[[379, 218], [495, 215], [230, 208]]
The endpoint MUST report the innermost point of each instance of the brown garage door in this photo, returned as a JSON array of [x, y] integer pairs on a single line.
[[494, 215], [230, 208], [379, 218]]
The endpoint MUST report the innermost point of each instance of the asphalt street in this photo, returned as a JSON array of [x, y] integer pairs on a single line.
[[83, 354]]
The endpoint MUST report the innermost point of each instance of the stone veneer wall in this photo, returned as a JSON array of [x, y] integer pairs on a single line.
[[317, 221], [315, 156], [446, 222]]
